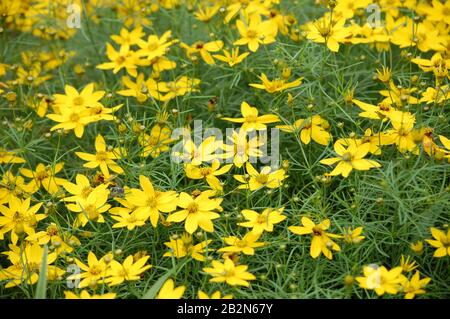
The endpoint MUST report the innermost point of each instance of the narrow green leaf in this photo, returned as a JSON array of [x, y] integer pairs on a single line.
[[41, 290], [151, 293]]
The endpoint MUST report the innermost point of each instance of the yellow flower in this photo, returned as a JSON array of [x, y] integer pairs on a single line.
[[353, 236], [264, 221], [84, 294], [14, 186], [437, 64], [229, 273], [8, 157], [127, 271], [149, 203], [124, 58], [246, 245], [203, 49], [196, 155], [439, 12], [384, 75], [381, 279], [56, 238], [206, 13], [130, 220], [256, 32], [44, 177], [94, 271], [103, 158], [417, 247], [82, 188], [179, 87], [127, 38], [19, 218], [322, 31], [141, 89], [399, 96], [314, 128], [91, 208], [350, 158], [182, 247], [157, 142], [197, 211], [415, 286], [277, 85], [241, 149], [378, 112], [402, 133], [208, 173], [441, 241], [255, 180], [436, 95], [232, 58], [321, 241], [406, 264], [250, 120], [169, 291], [214, 295], [154, 46]]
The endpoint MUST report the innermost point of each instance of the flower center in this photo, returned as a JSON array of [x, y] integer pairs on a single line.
[[101, 156], [252, 34], [78, 101], [192, 208], [74, 117], [347, 157], [262, 178], [92, 212], [317, 231]]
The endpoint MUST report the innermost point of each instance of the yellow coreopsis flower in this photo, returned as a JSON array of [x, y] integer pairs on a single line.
[[9, 157], [415, 286], [381, 279], [241, 149], [350, 156], [129, 270], [436, 95], [198, 154], [150, 203], [19, 218], [14, 186], [266, 178], [206, 13], [417, 247], [277, 85], [103, 158], [353, 236], [197, 211], [130, 220], [179, 87], [90, 209], [399, 96], [203, 49], [182, 247], [440, 241], [155, 46], [232, 58], [125, 58], [402, 133], [332, 34], [229, 273], [406, 264], [81, 189], [321, 241], [250, 120], [44, 176], [55, 237], [313, 128], [209, 173], [141, 89], [264, 221], [375, 112], [93, 272], [156, 142], [214, 295], [128, 38], [169, 291], [246, 244], [256, 32]]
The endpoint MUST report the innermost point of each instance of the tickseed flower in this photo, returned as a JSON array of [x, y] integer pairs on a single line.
[[126, 271], [14, 186], [203, 49], [375, 112], [406, 264], [130, 220], [84, 294], [263, 221], [215, 295], [232, 58], [169, 291], [381, 279], [9, 157], [250, 120], [321, 240], [155, 46], [245, 245], [141, 89], [255, 180], [44, 176], [184, 246], [103, 158], [402, 134], [229, 273], [206, 13], [149, 203], [128, 38], [446, 142], [198, 154], [241, 148], [55, 237], [332, 34], [19, 218], [91, 208], [440, 241], [312, 128], [197, 211], [209, 173], [399, 96], [353, 236], [179, 87], [417, 247], [256, 32], [94, 271], [277, 85], [81, 190], [415, 286], [436, 95], [350, 156], [156, 142]]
